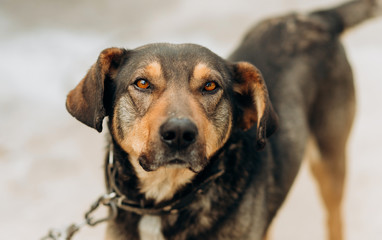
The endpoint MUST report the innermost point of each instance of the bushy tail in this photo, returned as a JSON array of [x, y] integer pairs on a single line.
[[349, 14]]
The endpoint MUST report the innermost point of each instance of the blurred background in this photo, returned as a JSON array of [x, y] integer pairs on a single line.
[[51, 165]]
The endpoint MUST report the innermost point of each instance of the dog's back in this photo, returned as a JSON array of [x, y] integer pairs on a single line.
[[311, 87]]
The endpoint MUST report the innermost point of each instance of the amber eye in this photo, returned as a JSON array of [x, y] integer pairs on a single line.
[[210, 86], [142, 83]]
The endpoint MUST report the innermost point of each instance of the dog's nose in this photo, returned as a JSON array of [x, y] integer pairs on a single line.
[[178, 133]]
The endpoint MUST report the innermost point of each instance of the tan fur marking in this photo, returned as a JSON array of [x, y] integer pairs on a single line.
[[201, 71], [153, 72], [209, 137], [154, 69], [163, 183], [136, 137], [331, 183], [212, 140], [260, 101], [139, 136]]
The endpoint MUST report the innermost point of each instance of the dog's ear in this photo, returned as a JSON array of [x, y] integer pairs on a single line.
[[86, 101], [253, 101]]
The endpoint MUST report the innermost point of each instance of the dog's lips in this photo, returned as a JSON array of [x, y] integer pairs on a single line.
[[175, 162], [146, 164], [182, 163]]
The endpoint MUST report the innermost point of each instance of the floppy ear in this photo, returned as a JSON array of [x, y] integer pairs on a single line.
[[252, 97], [86, 101]]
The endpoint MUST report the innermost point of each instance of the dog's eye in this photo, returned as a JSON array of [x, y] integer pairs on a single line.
[[142, 83], [210, 86]]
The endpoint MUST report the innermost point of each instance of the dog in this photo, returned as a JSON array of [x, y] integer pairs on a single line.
[[203, 147]]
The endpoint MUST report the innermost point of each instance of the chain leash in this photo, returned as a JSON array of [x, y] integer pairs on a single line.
[[67, 233], [117, 200]]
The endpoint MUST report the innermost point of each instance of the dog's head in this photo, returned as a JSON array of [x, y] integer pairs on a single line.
[[172, 106]]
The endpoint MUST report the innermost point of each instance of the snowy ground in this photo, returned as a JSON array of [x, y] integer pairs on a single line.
[[51, 165]]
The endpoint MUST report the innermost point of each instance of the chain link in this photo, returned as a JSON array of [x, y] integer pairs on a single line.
[[68, 232], [106, 200]]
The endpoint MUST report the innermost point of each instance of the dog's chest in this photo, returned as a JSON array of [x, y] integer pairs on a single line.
[[150, 228]]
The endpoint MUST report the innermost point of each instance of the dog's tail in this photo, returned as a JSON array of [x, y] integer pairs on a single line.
[[349, 14]]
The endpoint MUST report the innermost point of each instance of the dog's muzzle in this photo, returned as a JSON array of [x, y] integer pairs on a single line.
[[178, 147]]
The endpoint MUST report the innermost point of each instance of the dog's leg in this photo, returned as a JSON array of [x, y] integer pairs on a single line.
[[326, 152], [329, 171], [331, 119], [268, 235]]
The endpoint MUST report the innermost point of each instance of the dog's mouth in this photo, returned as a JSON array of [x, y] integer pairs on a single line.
[[175, 162]]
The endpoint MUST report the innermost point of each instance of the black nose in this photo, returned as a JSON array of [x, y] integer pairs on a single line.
[[178, 133]]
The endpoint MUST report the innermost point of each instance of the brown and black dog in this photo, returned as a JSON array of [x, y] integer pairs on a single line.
[[182, 118]]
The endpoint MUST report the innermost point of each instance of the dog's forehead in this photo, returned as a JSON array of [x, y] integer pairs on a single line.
[[177, 57], [178, 51]]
